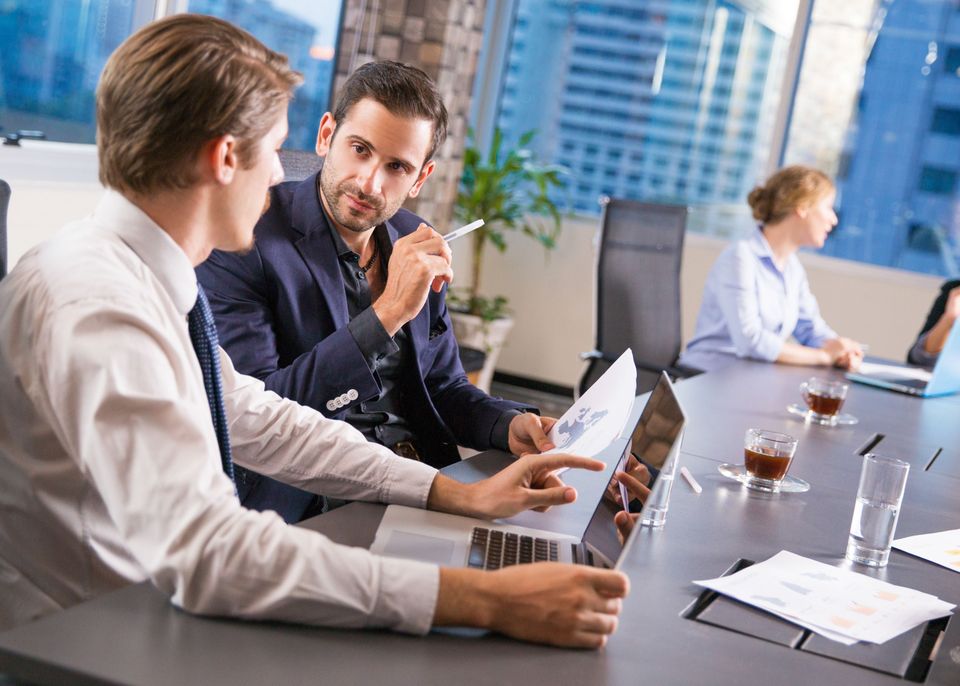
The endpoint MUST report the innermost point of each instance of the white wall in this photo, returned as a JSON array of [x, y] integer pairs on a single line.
[[52, 184], [551, 294]]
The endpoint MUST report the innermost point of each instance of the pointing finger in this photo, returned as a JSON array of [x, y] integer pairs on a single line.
[[546, 497], [561, 460]]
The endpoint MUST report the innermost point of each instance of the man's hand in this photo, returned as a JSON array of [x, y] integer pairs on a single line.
[[420, 261], [636, 479], [528, 483], [625, 522], [558, 604], [528, 434]]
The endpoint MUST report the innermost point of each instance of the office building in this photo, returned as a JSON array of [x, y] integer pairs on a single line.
[[899, 193], [649, 100]]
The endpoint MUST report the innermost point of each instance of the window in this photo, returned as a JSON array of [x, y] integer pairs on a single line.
[[53, 53], [662, 88], [946, 120], [304, 31], [938, 181], [873, 108], [951, 62]]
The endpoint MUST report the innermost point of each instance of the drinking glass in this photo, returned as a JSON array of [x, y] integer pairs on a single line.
[[875, 514]]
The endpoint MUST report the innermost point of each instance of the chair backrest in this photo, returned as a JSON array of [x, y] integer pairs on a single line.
[[299, 164], [638, 286], [4, 204]]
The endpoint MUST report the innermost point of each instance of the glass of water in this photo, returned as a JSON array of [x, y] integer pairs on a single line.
[[882, 480]]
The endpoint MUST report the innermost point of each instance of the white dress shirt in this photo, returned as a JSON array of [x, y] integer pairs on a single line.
[[110, 471]]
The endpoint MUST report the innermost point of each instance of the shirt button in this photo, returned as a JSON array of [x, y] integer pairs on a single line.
[[352, 394], [361, 275]]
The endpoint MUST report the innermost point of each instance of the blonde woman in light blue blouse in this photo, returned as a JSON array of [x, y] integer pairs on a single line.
[[757, 297]]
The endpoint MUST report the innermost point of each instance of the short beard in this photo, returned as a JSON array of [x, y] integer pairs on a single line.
[[332, 194]]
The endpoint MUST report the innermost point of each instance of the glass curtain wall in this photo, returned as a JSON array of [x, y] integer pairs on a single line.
[[898, 160], [54, 50], [655, 100]]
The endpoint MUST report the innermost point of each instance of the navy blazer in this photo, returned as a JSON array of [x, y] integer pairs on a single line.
[[281, 313]]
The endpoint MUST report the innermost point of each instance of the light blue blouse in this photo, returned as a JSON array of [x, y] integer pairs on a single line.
[[751, 307]]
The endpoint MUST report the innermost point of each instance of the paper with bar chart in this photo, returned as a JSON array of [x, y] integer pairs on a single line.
[[836, 603], [942, 547]]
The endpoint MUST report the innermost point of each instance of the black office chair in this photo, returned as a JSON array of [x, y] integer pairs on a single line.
[[299, 164], [4, 204], [638, 290]]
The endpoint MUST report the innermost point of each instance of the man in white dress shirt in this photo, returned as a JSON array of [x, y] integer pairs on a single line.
[[110, 465]]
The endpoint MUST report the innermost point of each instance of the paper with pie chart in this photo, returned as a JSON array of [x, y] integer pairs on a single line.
[[942, 547], [836, 603], [598, 417]]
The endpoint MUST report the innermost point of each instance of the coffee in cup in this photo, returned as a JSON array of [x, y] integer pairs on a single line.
[[766, 457], [823, 399]]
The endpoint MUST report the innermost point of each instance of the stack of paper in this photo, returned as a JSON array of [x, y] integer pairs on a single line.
[[836, 603], [942, 548]]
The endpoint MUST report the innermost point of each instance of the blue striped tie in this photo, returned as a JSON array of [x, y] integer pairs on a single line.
[[203, 335]]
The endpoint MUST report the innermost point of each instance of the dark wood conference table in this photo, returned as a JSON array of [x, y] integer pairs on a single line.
[[134, 635]]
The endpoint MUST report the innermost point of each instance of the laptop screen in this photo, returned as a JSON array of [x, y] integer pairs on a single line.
[[653, 437]]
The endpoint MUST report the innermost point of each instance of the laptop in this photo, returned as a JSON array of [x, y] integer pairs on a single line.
[[456, 541], [944, 379]]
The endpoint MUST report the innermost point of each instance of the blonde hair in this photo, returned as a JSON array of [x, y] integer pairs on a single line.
[[176, 84], [785, 191]]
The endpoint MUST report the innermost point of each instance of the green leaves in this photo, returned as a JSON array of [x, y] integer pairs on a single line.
[[510, 191]]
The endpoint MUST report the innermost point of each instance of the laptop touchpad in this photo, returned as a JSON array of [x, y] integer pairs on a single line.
[[420, 547]]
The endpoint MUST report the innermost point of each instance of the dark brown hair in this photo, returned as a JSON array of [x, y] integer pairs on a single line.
[[176, 84], [404, 90], [785, 191]]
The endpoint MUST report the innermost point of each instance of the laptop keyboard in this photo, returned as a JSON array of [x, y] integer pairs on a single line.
[[494, 549]]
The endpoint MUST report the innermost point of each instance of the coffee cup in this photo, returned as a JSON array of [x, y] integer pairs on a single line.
[[823, 399], [766, 458]]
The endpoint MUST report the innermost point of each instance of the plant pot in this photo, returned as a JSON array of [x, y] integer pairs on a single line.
[[489, 336]]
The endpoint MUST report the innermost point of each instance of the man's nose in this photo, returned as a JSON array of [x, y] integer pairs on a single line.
[[368, 178]]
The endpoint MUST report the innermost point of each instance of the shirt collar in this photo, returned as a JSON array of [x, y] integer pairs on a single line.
[[152, 245], [761, 248]]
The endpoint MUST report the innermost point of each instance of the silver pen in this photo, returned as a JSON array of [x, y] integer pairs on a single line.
[[463, 230]]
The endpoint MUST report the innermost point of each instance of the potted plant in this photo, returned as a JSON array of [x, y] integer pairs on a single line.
[[510, 191]]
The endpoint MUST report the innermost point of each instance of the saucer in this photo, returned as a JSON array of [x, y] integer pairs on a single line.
[[840, 420], [737, 472]]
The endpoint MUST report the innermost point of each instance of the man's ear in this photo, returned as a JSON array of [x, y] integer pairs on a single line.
[[424, 175], [325, 134], [220, 158]]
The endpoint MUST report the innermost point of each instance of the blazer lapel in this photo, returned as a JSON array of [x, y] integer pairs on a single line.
[[318, 250], [418, 328]]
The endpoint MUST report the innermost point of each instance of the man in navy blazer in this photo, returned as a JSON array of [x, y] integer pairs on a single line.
[[340, 304]]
